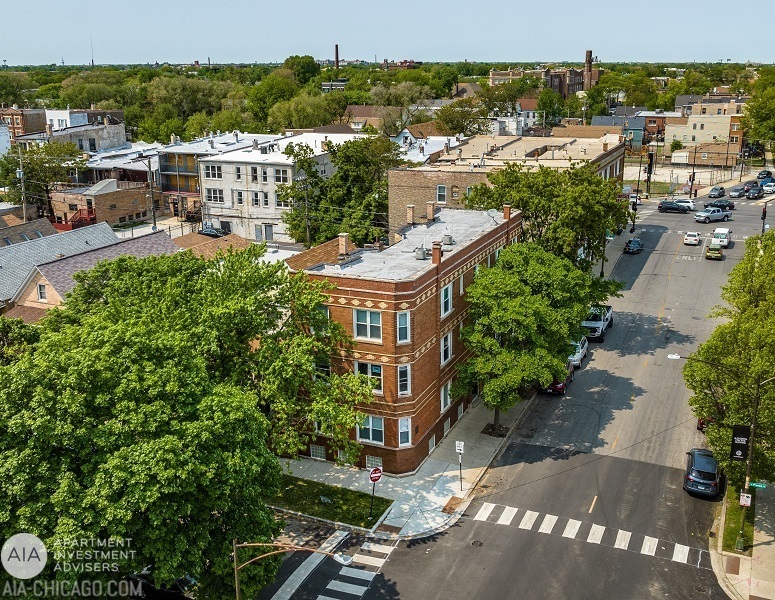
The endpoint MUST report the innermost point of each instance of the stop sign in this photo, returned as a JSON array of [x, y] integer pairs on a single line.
[[375, 474]]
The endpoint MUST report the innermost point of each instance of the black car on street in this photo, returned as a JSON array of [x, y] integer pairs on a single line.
[[754, 193], [722, 203], [633, 246], [670, 206], [703, 475], [763, 174]]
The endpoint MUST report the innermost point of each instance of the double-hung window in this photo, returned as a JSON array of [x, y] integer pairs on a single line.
[[441, 194], [402, 327], [372, 371], [446, 397], [281, 176], [281, 203], [368, 324], [404, 380], [42, 292], [213, 172], [239, 196], [264, 175], [372, 429], [238, 173], [446, 300], [446, 348], [257, 198], [214, 195], [254, 174], [405, 431]]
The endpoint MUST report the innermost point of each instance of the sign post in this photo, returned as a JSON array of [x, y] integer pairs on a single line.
[[459, 450], [374, 476], [745, 499]]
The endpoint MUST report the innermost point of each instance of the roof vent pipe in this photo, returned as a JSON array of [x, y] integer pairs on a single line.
[[419, 253]]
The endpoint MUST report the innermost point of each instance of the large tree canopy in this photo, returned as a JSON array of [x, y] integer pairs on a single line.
[[154, 405], [524, 311]]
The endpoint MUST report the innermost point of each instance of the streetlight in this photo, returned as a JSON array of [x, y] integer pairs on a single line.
[[341, 558], [756, 398]]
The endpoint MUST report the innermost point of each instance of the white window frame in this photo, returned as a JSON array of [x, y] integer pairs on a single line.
[[445, 348], [256, 199], [254, 174], [405, 427], [368, 368], [42, 293], [213, 172], [408, 390], [373, 461], [315, 450], [264, 175], [281, 176], [462, 290], [214, 195], [278, 203], [238, 194], [265, 199], [446, 300], [441, 194], [407, 327], [371, 420], [445, 396], [238, 172], [373, 331]]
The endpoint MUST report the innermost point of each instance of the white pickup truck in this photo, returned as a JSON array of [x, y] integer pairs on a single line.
[[599, 319], [712, 214]]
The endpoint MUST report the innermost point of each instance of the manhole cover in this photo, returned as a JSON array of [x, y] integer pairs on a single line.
[[701, 589], [477, 543]]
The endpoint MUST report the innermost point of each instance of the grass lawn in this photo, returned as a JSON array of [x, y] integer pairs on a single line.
[[732, 522], [658, 188], [345, 506]]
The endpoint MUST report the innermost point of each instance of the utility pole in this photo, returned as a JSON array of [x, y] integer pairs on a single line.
[[739, 545], [150, 182], [20, 176]]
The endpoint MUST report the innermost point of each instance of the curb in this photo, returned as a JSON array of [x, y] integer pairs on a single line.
[[718, 555], [335, 524]]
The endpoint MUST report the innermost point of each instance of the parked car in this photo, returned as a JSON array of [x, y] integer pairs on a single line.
[[686, 202], [749, 184], [737, 192], [769, 188], [560, 387], [717, 192], [766, 180], [714, 252], [633, 246], [703, 475], [670, 206], [754, 193], [763, 174], [692, 238], [212, 232], [703, 422], [723, 204], [580, 351], [635, 198]]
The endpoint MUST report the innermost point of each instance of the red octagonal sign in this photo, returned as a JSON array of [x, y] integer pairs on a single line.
[[375, 474]]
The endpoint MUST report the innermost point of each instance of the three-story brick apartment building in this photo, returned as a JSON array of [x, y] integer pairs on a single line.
[[405, 307]]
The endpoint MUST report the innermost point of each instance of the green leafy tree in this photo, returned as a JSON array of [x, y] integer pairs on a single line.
[[399, 104], [524, 310], [301, 112], [738, 357], [12, 86], [197, 125], [466, 116], [566, 212], [550, 104], [16, 338], [759, 118], [275, 87], [304, 67], [44, 167], [676, 145]]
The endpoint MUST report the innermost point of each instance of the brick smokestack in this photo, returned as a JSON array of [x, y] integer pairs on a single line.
[[336, 56], [343, 239], [588, 71], [430, 211], [437, 253], [506, 212], [410, 214]]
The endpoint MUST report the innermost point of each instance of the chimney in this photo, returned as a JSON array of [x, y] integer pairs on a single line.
[[430, 212], [410, 214], [437, 253], [48, 130], [605, 146], [336, 56], [236, 136], [172, 138], [343, 239], [255, 144], [506, 212], [212, 143]]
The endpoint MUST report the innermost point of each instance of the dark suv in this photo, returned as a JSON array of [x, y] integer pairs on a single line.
[[702, 475], [763, 174], [670, 206]]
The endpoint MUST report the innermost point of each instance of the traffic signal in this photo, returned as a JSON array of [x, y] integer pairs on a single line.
[[650, 163], [764, 213]]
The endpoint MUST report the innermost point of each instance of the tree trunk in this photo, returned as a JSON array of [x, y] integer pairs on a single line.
[[496, 424]]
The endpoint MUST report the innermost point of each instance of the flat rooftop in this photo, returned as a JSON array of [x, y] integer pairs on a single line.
[[398, 262]]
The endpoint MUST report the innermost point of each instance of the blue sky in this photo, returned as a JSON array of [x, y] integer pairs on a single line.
[[448, 30]]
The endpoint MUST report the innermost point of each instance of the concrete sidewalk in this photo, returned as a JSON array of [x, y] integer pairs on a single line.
[[751, 578], [431, 499]]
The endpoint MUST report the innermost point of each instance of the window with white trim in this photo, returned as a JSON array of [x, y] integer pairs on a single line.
[[317, 451], [265, 199], [446, 348], [264, 175], [405, 431], [441, 194], [42, 296], [213, 172], [462, 291], [280, 203], [460, 410], [373, 371], [239, 197], [254, 174], [214, 195], [446, 300], [446, 397], [281, 176], [431, 443], [447, 425], [238, 172], [368, 324], [372, 430], [257, 198], [402, 327], [404, 380]]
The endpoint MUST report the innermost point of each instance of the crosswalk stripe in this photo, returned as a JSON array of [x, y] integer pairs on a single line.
[[484, 512], [622, 539], [325, 598], [357, 573], [548, 524], [372, 547], [649, 546], [347, 588], [528, 520], [369, 560], [595, 534], [571, 529], [507, 516], [681, 553]]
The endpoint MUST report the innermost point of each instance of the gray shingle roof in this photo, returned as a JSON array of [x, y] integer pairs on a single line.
[[59, 273], [18, 260], [32, 229]]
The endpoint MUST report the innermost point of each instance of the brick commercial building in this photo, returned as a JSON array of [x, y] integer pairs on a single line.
[[405, 307], [450, 179], [112, 201], [22, 121]]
